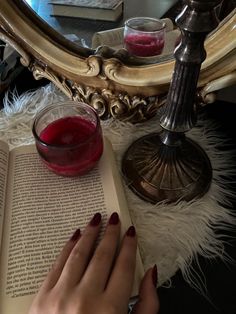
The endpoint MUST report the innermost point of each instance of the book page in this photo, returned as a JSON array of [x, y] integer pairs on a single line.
[[4, 152], [113, 38], [42, 212]]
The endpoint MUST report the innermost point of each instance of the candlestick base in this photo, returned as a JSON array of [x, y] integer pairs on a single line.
[[158, 172]]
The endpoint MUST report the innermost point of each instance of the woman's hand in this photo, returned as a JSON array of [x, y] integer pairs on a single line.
[[84, 281]]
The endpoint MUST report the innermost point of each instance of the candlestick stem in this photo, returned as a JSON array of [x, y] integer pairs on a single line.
[[167, 165]]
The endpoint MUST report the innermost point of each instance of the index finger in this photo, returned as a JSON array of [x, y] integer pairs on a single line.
[[56, 270], [122, 277]]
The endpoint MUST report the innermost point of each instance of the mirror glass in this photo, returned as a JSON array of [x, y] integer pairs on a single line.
[[84, 32]]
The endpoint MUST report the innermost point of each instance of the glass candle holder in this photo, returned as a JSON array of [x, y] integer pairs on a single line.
[[68, 138], [144, 36]]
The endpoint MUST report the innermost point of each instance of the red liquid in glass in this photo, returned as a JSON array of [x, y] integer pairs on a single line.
[[144, 45], [78, 146]]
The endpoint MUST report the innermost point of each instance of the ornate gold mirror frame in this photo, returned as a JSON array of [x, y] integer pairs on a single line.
[[102, 78]]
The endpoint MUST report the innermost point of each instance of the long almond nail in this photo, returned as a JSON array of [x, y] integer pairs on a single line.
[[154, 275], [75, 235], [95, 221], [114, 219], [131, 231]]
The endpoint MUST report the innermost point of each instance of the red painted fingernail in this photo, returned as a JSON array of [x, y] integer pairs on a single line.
[[154, 275], [114, 219], [95, 221], [75, 235], [131, 231]]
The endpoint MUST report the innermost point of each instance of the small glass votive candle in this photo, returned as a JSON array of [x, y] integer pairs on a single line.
[[144, 36], [68, 137]]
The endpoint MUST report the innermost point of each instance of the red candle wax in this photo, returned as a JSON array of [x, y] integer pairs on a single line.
[[144, 45], [75, 145]]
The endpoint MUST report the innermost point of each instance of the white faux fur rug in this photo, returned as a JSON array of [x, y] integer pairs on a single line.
[[169, 235]]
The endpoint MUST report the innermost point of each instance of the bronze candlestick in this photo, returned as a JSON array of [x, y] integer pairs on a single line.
[[167, 165]]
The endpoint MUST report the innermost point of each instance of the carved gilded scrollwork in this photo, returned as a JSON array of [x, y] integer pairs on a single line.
[[128, 108], [106, 101], [42, 71], [135, 108], [207, 94]]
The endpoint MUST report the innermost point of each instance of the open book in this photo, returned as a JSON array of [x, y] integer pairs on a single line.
[[39, 211]]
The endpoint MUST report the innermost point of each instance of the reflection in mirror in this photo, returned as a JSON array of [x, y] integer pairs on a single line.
[[111, 81], [91, 33]]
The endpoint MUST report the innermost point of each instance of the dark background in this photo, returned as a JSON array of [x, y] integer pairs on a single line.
[[220, 277]]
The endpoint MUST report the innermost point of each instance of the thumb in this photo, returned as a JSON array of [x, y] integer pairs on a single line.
[[148, 299]]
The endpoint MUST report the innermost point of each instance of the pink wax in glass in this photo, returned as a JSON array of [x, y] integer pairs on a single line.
[[144, 36], [144, 45], [69, 145]]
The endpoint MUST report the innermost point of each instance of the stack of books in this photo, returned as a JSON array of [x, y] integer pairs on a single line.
[[107, 10]]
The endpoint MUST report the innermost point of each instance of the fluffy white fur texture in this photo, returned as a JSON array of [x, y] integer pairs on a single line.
[[169, 235]]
